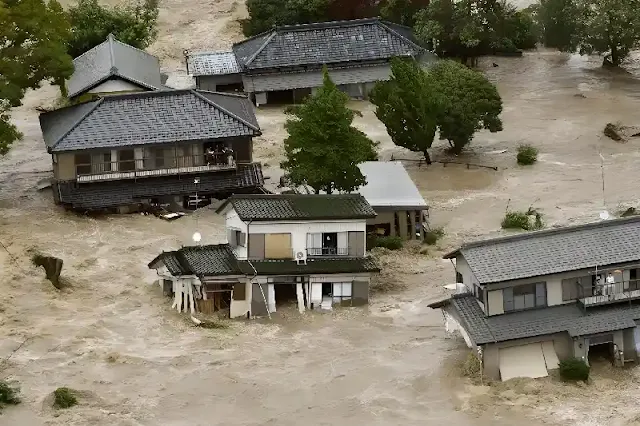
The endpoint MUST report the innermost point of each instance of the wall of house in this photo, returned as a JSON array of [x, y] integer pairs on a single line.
[[562, 343], [116, 85], [239, 308], [64, 166], [233, 222], [211, 83], [495, 303], [387, 217]]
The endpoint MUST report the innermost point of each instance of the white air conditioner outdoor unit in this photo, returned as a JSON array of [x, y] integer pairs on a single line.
[[301, 257]]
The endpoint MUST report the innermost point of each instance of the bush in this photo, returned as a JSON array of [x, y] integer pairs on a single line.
[[471, 366], [433, 235], [527, 155], [574, 369], [530, 220], [8, 394], [391, 243], [64, 398]]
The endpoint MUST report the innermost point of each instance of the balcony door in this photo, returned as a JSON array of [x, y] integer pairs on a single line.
[[126, 160]]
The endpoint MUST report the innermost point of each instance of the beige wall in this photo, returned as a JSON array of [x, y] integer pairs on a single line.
[[562, 343], [278, 246], [65, 167], [495, 304]]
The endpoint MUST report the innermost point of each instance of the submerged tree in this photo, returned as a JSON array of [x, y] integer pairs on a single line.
[[408, 105], [559, 23], [323, 149], [91, 24], [34, 35]]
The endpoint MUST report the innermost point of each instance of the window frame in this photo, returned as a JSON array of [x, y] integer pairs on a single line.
[[523, 293]]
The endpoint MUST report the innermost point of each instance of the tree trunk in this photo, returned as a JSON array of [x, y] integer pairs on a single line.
[[455, 148], [427, 157]]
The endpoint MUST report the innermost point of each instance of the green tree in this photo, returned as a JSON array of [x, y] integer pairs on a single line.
[[323, 149], [408, 105], [469, 102], [266, 14], [609, 27], [91, 23], [402, 11], [559, 23], [34, 35]]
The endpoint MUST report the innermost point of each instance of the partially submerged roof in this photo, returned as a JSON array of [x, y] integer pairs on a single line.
[[539, 322], [206, 260], [389, 185], [344, 265], [326, 43], [112, 58], [144, 118], [554, 250], [274, 207], [212, 63]]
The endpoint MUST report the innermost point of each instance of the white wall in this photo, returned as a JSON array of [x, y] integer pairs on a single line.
[[234, 222], [495, 302], [115, 85], [239, 308]]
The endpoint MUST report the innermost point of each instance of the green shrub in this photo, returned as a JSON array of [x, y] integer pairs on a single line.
[[527, 155], [64, 398], [391, 243], [8, 394], [574, 369], [433, 235], [530, 220]]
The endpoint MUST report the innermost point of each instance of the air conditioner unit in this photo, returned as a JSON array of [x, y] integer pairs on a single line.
[[301, 257]]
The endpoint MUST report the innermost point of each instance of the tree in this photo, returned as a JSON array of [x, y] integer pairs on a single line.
[[33, 48], [266, 14], [91, 23], [323, 149], [408, 105], [402, 11], [559, 23], [609, 27], [351, 9], [469, 102]]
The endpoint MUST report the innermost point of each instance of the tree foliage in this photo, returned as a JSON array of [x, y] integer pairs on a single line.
[[558, 22], [33, 48], [402, 11], [323, 149], [408, 105], [132, 24], [449, 98]]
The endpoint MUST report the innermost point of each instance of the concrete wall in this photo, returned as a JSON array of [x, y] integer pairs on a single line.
[[562, 344], [116, 85], [211, 82]]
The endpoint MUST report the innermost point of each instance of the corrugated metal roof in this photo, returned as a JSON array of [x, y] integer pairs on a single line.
[[212, 63], [555, 250], [389, 185]]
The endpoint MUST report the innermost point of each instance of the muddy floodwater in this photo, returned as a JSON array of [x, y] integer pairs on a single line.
[[112, 336]]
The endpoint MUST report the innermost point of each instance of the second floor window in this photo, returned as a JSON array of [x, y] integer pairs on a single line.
[[525, 296], [327, 244]]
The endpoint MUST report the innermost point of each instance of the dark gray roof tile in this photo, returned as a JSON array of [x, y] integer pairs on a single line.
[[344, 265], [212, 63], [209, 260]]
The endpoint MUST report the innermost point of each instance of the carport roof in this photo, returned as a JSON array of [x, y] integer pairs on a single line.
[[539, 322]]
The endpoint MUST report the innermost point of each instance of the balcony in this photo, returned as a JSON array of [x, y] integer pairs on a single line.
[[327, 251], [151, 167], [609, 293]]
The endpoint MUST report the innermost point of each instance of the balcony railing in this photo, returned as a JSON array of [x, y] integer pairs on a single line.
[[151, 166], [327, 251], [602, 294]]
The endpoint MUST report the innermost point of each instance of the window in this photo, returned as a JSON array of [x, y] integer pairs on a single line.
[[101, 162], [633, 280], [459, 278], [83, 164], [570, 289], [127, 161], [479, 294], [239, 291], [158, 157], [240, 238], [327, 244], [526, 296]]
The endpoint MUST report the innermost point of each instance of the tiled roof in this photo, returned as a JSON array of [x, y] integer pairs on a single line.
[[539, 322], [148, 118], [273, 207], [199, 260], [552, 251], [102, 195], [326, 43], [110, 59], [212, 63], [313, 266]]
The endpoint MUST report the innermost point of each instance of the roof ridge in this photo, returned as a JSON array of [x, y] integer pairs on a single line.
[[385, 25], [135, 48], [552, 231], [143, 94], [110, 39], [211, 52], [226, 111], [329, 24], [80, 120], [93, 48], [232, 95], [261, 48]]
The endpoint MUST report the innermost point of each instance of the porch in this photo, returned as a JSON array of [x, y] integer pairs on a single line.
[[608, 289]]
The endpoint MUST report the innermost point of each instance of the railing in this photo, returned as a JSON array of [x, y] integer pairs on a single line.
[[601, 294], [152, 166], [327, 251]]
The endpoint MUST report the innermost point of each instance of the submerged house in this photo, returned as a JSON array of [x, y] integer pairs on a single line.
[[285, 63], [113, 67], [530, 300], [305, 249], [137, 148]]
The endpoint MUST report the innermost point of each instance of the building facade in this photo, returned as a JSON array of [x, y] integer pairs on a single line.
[[530, 300]]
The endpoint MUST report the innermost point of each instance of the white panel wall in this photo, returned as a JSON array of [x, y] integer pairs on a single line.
[[495, 302], [234, 222], [115, 86]]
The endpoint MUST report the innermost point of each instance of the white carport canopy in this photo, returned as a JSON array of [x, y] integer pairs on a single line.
[[532, 360]]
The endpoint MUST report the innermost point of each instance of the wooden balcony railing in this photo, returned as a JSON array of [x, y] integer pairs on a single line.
[[154, 166]]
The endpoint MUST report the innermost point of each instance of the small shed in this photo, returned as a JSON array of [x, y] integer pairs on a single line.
[[390, 191], [215, 71]]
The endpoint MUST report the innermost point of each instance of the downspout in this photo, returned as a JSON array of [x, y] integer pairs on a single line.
[[255, 274]]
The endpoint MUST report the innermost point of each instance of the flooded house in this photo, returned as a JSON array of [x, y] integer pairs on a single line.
[[526, 301], [113, 67], [126, 150], [285, 64], [306, 250]]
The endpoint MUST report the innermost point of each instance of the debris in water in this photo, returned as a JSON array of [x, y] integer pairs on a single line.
[[43, 184], [613, 131], [52, 266]]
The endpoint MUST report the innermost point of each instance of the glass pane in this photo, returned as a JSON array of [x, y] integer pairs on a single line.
[[518, 302], [346, 289]]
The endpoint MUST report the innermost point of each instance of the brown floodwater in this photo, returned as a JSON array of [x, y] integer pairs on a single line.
[[113, 336]]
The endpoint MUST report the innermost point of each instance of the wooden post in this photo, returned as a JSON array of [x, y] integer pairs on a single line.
[[412, 221]]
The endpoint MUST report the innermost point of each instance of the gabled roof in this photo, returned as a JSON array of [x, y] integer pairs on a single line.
[[343, 265], [144, 118], [111, 59], [554, 250], [212, 63], [199, 260], [274, 207], [326, 43], [389, 185]]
